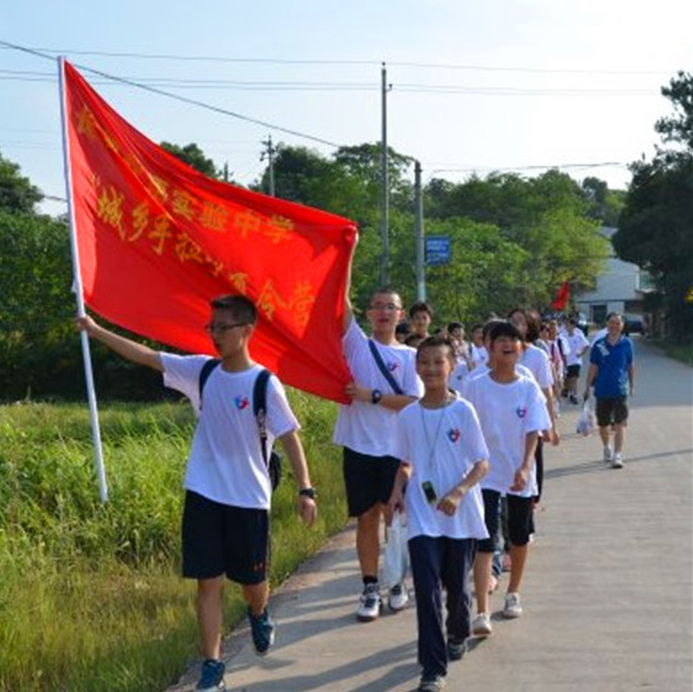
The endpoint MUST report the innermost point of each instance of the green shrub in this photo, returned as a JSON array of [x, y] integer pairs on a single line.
[[90, 595]]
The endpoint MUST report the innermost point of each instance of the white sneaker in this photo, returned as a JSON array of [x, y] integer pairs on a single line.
[[398, 597], [512, 608], [608, 455], [617, 461], [370, 603], [481, 625]]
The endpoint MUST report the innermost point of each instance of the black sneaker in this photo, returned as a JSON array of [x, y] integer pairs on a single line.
[[211, 677], [457, 648], [262, 629]]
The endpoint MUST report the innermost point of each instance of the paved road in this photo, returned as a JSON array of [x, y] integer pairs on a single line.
[[607, 593]]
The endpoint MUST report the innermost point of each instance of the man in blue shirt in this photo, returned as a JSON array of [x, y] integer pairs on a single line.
[[612, 374]]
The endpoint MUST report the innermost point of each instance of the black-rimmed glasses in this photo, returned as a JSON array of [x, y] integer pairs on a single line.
[[213, 327]]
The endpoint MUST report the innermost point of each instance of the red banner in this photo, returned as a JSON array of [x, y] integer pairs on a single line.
[[562, 297], [157, 240]]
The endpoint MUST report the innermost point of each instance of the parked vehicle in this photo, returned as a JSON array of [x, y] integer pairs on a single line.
[[633, 324]]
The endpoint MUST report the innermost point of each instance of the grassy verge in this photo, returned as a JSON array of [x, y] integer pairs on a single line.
[[90, 594], [681, 352]]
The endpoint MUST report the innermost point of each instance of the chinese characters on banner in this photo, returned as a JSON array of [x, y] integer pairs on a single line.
[[157, 240]]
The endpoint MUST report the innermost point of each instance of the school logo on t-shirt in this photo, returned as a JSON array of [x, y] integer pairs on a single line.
[[453, 435], [521, 411], [241, 402]]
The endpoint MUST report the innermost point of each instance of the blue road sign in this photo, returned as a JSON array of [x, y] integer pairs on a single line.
[[437, 249]]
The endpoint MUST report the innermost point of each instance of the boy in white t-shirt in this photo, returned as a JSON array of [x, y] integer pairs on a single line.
[[478, 349], [577, 341], [227, 483], [512, 412], [385, 381], [444, 457]]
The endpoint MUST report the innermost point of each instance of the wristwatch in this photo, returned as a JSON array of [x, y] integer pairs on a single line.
[[376, 396], [312, 493]]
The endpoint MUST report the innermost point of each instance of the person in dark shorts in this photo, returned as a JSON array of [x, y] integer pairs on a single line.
[[512, 412], [612, 373], [577, 345], [228, 487], [385, 381]]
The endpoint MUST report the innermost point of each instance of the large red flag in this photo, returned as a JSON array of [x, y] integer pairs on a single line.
[[157, 240]]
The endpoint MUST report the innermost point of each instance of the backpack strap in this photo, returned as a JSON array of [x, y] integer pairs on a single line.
[[260, 409], [205, 372], [383, 368]]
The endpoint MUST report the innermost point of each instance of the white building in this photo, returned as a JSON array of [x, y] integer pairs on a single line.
[[621, 288]]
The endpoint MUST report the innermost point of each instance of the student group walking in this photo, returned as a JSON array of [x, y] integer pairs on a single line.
[[447, 433]]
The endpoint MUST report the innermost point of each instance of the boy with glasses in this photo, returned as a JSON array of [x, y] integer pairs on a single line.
[[227, 483], [385, 381]]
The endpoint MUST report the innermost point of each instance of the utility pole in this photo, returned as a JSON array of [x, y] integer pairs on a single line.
[[385, 194], [419, 226], [269, 152]]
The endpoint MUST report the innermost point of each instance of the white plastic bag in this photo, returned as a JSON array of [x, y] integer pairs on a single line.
[[396, 552], [586, 423]]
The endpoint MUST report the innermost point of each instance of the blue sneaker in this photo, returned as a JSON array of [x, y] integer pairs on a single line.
[[211, 677], [262, 629]]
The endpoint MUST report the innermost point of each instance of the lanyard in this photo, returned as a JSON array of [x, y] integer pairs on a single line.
[[431, 444]]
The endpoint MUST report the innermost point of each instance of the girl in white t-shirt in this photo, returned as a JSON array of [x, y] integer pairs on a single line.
[[444, 457]]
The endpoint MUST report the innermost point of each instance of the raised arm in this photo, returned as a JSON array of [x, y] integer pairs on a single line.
[[348, 311], [125, 348]]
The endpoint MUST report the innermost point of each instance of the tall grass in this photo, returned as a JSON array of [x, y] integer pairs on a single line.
[[90, 594]]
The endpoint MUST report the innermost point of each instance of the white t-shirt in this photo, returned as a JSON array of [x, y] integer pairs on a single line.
[[577, 342], [558, 350], [537, 362], [458, 375], [484, 370], [479, 355], [599, 335], [362, 426], [507, 413], [225, 462], [442, 446]]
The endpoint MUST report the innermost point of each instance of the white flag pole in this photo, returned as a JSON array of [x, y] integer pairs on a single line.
[[78, 291]]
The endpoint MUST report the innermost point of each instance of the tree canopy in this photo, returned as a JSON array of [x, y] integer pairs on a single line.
[[194, 157], [17, 194], [656, 225]]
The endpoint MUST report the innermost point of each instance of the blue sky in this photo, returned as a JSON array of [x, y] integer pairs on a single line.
[[479, 85]]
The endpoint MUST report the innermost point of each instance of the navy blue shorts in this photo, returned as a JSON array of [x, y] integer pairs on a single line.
[[368, 480], [573, 370], [220, 539], [519, 519]]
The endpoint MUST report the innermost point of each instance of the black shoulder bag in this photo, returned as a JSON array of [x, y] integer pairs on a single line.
[[383, 368]]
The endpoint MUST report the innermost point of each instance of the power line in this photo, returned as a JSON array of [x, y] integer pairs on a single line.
[[406, 87], [185, 99], [327, 61], [601, 164]]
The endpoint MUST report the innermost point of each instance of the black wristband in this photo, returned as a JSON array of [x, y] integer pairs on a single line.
[[308, 492], [376, 396]]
